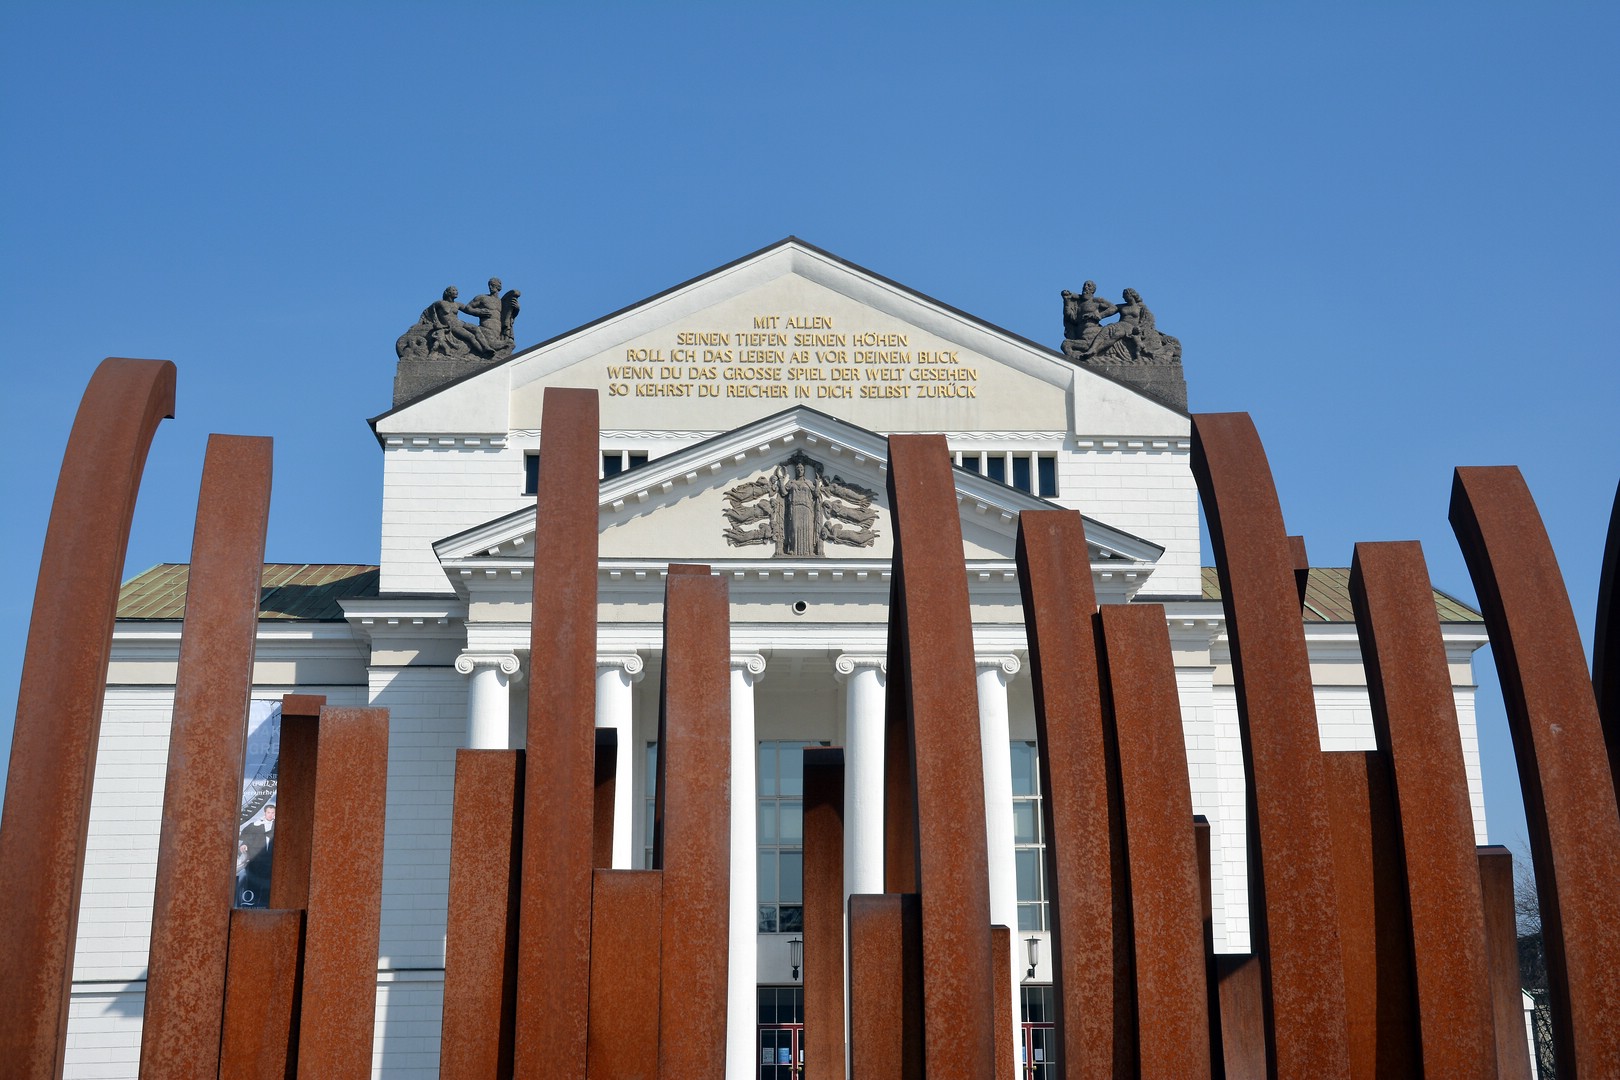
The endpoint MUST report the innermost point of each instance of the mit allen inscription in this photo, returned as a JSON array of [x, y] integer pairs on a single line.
[[793, 357]]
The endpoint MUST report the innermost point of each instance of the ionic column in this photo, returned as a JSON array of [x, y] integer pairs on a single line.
[[741, 1005], [863, 679], [489, 699], [614, 677], [995, 741]]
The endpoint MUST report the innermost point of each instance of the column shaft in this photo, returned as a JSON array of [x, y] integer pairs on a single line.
[[742, 1009], [996, 750]]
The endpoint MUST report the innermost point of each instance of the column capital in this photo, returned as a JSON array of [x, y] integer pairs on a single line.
[[1008, 664], [470, 661], [631, 663], [849, 663], [753, 663]]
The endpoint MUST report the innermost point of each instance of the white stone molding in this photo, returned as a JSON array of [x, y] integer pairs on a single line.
[[1008, 664], [864, 676], [630, 663], [489, 698], [742, 1015], [848, 663], [994, 670], [615, 709]]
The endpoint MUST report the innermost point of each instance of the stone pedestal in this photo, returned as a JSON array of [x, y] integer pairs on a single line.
[[414, 378], [1164, 383]]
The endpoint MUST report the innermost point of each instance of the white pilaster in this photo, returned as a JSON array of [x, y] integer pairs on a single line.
[[614, 676], [741, 1007], [863, 678], [489, 698], [996, 750]]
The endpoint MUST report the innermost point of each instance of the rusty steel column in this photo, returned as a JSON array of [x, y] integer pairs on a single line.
[[1086, 888], [1001, 962], [1243, 1017], [1291, 890], [1172, 1015], [1606, 644], [1206, 904], [260, 1024], [626, 921], [191, 901], [604, 790], [1569, 796], [295, 799], [899, 785], [1380, 1013], [694, 796], [823, 913], [1511, 1049], [1415, 718], [338, 1011], [63, 684], [885, 986], [480, 952], [554, 943], [942, 718]]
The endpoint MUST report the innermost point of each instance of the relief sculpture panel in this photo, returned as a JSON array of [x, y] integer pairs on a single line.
[[799, 509]]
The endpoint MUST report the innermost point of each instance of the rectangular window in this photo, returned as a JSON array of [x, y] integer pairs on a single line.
[[1034, 472], [615, 462], [781, 837], [650, 805], [531, 472], [1029, 848]]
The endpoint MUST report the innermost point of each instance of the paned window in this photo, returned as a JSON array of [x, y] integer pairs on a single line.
[[1038, 1055], [1029, 844], [615, 462], [781, 837], [1033, 472], [531, 472]]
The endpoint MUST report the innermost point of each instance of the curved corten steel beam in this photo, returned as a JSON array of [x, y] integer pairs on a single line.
[[1167, 909], [554, 937], [1415, 718], [1569, 798], [1291, 885], [942, 716], [191, 923], [64, 679], [1085, 853], [1606, 644]]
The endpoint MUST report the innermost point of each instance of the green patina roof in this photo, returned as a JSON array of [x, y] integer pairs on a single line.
[[1327, 597], [309, 591], [312, 591]]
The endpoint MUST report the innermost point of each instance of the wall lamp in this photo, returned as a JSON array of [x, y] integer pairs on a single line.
[[796, 955], [1032, 946]]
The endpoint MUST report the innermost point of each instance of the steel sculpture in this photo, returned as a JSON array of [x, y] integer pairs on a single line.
[[1384, 939]]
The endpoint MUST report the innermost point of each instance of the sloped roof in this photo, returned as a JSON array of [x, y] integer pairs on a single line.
[[311, 591], [1327, 597], [305, 591]]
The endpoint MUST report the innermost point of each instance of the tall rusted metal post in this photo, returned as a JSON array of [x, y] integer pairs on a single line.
[[554, 943], [823, 913], [191, 904], [64, 681]]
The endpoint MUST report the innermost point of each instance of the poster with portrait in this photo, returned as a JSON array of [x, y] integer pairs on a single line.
[[256, 821]]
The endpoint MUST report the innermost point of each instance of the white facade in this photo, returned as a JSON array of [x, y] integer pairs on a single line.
[[443, 643]]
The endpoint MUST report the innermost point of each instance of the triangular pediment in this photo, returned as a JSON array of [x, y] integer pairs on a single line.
[[734, 498], [793, 325]]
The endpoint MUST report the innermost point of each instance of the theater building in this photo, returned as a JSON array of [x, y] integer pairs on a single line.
[[744, 416]]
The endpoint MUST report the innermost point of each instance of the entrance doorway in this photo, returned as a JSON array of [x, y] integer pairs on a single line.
[[780, 1042], [1038, 1058]]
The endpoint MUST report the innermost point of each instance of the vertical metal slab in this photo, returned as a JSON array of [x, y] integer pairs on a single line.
[[1206, 903], [1291, 891], [1373, 923], [1569, 796], [885, 986], [295, 799], [1415, 718], [64, 680], [942, 718], [606, 781], [694, 751], [554, 946], [1001, 961], [1086, 889], [1166, 912], [480, 952], [1502, 939], [1243, 1019], [626, 917], [260, 1026], [191, 901], [823, 913], [899, 783], [337, 1015], [1606, 644]]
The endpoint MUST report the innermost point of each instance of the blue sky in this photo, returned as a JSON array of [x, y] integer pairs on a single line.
[[1387, 231]]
